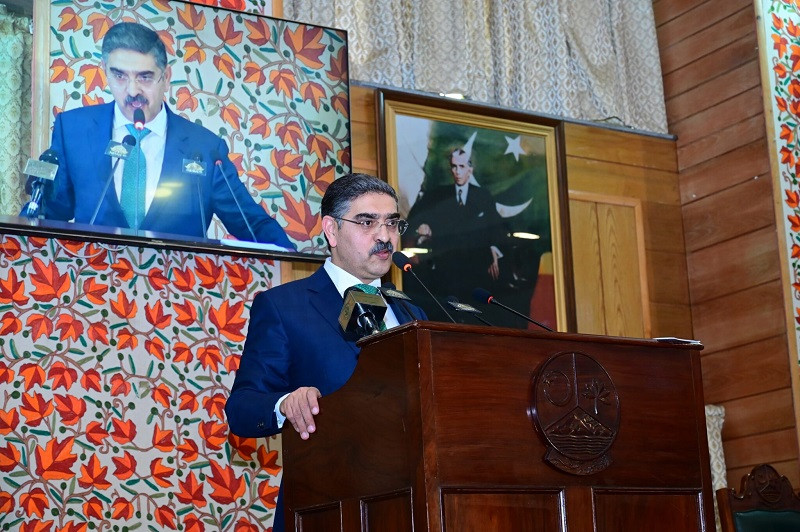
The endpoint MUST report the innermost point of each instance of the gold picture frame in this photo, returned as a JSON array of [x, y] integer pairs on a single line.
[[515, 157]]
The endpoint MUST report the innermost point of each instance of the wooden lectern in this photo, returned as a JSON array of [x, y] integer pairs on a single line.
[[457, 428]]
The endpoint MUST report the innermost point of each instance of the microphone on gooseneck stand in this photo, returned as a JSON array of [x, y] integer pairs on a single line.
[[402, 262], [469, 309], [390, 290], [218, 163], [120, 151], [484, 296], [40, 173], [196, 167]]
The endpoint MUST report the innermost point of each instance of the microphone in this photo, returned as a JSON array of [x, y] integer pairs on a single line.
[[361, 312], [463, 307], [195, 166], [402, 262], [120, 151], [39, 174], [138, 119], [225, 178], [390, 290], [484, 296]]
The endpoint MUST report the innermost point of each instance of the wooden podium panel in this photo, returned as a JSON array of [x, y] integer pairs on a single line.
[[451, 427]]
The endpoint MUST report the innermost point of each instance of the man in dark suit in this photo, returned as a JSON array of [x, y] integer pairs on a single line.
[[296, 350], [459, 226], [178, 174]]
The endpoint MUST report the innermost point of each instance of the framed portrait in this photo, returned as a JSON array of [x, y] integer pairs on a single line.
[[484, 192], [272, 95]]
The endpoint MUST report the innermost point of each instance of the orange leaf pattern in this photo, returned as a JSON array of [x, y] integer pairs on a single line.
[[780, 23], [121, 375], [255, 81]]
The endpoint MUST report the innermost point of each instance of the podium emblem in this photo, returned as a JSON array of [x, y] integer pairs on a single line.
[[576, 411]]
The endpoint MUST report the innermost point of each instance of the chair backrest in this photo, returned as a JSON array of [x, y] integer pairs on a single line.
[[765, 503]]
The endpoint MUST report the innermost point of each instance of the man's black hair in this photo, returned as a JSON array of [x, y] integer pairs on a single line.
[[341, 193], [133, 36]]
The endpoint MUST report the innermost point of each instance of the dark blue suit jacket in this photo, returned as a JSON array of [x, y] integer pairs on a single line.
[[80, 137], [293, 340]]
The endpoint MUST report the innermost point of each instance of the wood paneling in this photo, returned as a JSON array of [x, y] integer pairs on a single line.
[[721, 140], [726, 260], [619, 147], [712, 65], [740, 107], [586, 267], [709, 39], [732, 212], [699, 17], [765, 412], [713, 98], [740, 317], [729, 374], [737, 166], [614, 179], [712, 92]]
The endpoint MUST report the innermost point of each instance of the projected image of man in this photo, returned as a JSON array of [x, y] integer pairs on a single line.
[[177, 175]]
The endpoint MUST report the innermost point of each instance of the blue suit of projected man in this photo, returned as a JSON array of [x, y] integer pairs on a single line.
[[158, 189], [296, 350]]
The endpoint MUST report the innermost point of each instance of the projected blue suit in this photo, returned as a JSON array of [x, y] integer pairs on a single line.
[[80, 137]]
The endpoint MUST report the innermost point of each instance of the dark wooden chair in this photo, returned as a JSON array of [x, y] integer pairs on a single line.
[[765, 503]]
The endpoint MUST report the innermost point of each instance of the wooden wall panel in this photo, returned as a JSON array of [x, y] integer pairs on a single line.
[[619, 257], [729, 374], [726, 261], [714, 91], [713, 98], [587, 269], [742, 164]]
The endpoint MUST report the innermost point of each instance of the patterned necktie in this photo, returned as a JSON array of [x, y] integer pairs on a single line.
[[369, 289], [134, 178], [460, 201]]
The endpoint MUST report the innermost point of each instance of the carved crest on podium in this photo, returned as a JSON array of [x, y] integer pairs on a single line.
[[576, 411]]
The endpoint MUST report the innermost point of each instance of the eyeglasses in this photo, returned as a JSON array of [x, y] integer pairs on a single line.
[[371, 227], [143, 80]]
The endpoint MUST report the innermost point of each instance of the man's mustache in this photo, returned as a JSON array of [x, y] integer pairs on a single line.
[[135, 99], [381, 246]]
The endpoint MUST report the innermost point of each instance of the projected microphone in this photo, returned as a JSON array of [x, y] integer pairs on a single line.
[[402, 262], [463, 307], [196, 167], [39, 174], [484, 296], [120, 151], [391, 291], [361, 312], [138, 119], [218, 163]]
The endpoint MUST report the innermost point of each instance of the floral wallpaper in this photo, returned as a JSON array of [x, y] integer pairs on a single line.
[[276, 91], [115, 365], [780, 20]]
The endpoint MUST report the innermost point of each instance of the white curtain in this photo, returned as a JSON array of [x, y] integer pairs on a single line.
[[593, 61], [15, 108]]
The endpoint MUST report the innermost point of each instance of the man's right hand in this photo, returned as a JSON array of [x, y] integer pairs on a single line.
[[300, 407]]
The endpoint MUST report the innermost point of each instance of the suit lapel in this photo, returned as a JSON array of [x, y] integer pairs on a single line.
[[104, 121], [171, 168], [326, 300]]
